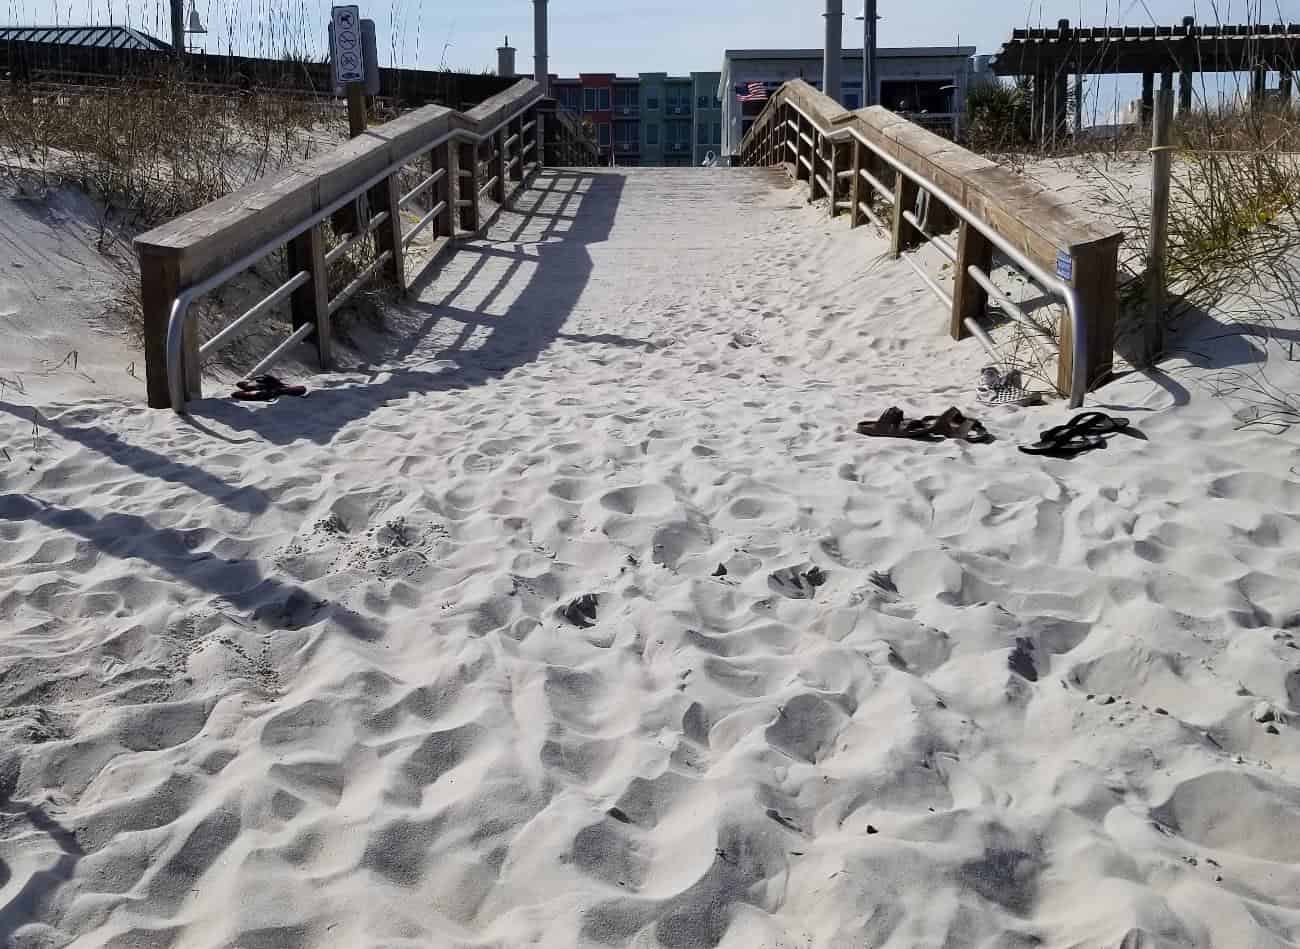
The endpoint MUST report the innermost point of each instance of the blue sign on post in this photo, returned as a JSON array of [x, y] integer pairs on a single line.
[[1064, 265]]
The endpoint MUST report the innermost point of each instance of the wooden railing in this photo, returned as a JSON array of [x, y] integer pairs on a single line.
[[916, 185], [567, 143], [461, 160]]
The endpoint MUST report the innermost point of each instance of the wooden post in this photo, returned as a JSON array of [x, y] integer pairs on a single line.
[[855, 186], [1094, 278], [159, 285], [498, 165], [799, 171], [1258, 83], [539, 136], [440, 157], [309, 304], [833, 178], [386, 196], [814, 156], [904, 236], [517, 169], [1078, 103], [1148, 97], [1158, 234], [1284, 87], [356, 109], [969, 299], [1185, 88], [467, 176]]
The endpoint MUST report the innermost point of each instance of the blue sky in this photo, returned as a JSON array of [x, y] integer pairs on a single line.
[[635, 35]]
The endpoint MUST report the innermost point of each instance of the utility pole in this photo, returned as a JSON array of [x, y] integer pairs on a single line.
[[540, 73], [178, 26], [869, 20], [833, 52]]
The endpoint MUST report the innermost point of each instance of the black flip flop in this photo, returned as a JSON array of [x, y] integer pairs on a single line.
[[1086, 423], [1065, 446], [264, 388]]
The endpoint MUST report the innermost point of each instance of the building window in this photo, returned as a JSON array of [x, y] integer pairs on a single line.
[[717, 133], [603, 98], [652, 133], [602, 134], [850, 100], [588, 100], [702, 102], [625, 133], [625, 98], [702, 134], [717, 103], [652, 102]]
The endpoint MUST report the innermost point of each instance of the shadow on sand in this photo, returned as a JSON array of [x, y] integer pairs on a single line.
[[579, 208]]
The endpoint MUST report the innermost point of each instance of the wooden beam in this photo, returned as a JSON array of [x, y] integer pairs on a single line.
[[855, 185], [159, 285], [1095, 270], [904, 237], [469, 186], [499, 166], [969, 299], [309, 304], [386, 196], [440, 157], [1158, 236]]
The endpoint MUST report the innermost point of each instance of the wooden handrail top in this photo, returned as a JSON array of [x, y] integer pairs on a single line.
[[208, 239], [1018, 209]]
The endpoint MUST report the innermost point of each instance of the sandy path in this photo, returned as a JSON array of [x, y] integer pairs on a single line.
[[296, 675]]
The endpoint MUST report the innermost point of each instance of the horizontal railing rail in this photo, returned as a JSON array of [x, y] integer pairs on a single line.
[[871, 159], [485, 153]]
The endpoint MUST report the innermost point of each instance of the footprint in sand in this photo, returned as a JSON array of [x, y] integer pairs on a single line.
[[797, 583]]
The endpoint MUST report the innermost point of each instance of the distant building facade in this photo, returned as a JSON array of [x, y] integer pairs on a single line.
[[928, 84], [650, 119]]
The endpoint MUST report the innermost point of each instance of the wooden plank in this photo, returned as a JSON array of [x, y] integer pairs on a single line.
[[855, 184], [1158, 233], [903, 236], [499, 171], [310, 302], [159, 284], [469, 212], [387, 196], [440, 157], [969, 299]]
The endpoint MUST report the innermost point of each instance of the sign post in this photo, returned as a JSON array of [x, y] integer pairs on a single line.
[[347, 53]]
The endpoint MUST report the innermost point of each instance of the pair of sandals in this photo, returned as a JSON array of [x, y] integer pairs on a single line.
[[1083, 433], [265, 388], [929, 428]]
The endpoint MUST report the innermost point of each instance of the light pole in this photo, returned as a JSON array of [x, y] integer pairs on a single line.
[[868, 17]]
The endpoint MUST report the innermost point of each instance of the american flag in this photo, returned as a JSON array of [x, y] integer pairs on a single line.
[[751, 92]]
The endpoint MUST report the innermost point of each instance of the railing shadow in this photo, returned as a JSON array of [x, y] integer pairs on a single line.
[[532, 321], [28, 904], [239, 582], [148, 463]]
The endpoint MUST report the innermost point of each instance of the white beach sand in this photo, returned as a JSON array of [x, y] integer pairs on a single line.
[[297, 675]]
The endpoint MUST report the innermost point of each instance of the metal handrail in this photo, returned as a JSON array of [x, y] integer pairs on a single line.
[[1048, 282], [179, 315]]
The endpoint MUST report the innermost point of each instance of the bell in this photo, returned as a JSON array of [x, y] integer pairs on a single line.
[[196, 25]]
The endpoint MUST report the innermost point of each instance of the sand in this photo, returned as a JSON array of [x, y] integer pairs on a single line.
[[576, 613]]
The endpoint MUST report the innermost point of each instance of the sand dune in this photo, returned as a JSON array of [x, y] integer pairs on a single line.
[[585, 618]]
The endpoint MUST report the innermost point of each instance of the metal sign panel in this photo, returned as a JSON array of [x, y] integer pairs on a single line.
[[369, 56], [346, 49]]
